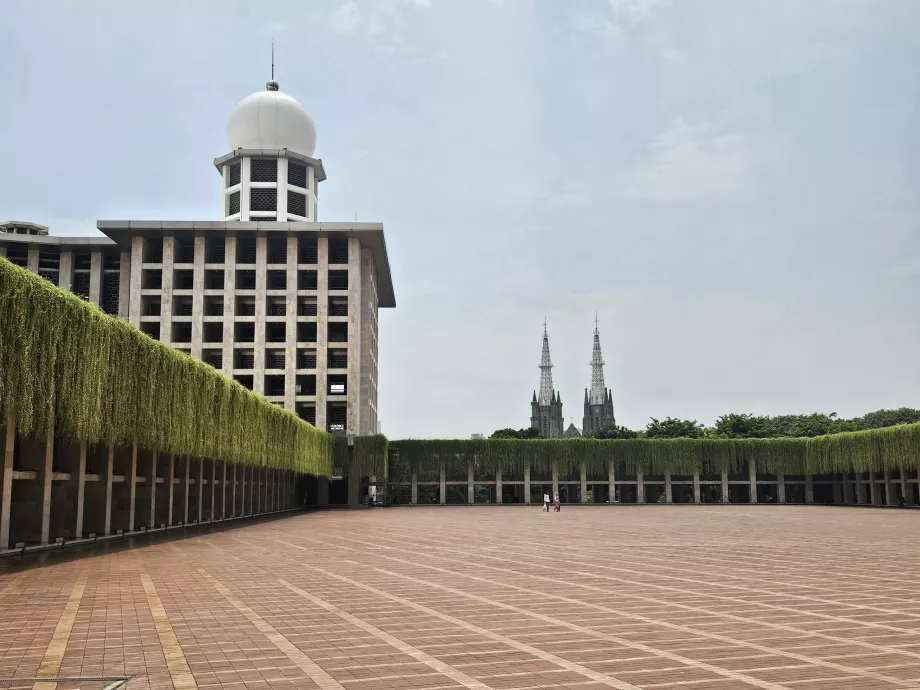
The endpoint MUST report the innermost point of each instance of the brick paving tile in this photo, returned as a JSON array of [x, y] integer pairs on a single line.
[[503, 598]]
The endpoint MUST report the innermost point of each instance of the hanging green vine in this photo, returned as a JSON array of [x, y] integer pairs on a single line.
[[97, 379], [858, 451]]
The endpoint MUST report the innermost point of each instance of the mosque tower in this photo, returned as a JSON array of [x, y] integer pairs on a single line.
[[270, 173]]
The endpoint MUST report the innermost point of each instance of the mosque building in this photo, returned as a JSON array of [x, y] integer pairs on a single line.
[[270, 296]]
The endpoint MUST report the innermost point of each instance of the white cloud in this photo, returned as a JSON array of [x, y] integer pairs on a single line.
[[346, 18], [906, 269], [632, 10], [370, 17], [694, 162]]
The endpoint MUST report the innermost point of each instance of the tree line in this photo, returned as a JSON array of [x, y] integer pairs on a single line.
[[745, 426]]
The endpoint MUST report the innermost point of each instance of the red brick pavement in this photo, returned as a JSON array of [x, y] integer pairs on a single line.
[[696, 597]]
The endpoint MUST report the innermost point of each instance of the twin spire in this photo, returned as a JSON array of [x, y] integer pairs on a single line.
[[547, 404]]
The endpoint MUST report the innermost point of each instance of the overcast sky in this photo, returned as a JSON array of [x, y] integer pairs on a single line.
[[733, 185]]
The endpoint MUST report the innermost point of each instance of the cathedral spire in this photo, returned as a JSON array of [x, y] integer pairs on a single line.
[[598, 388], [546, 372]]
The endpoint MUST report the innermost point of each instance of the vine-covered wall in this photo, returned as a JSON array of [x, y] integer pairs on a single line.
[[97, 379], [859, 451]]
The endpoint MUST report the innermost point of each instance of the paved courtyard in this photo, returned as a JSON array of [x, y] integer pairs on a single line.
[[701, 597]]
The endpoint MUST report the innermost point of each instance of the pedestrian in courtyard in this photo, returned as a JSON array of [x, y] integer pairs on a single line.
[[546, 502], [556, 504]]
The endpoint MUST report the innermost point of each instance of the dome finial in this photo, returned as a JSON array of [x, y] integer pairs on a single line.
[[272, 85]]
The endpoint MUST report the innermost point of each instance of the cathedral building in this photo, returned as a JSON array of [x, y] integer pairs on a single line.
[[598, 401], [546, 409]]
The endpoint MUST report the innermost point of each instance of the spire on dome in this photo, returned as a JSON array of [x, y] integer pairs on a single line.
[[546, 372], [598, 388]]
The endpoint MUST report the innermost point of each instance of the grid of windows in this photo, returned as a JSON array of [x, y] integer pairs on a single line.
[[111, 284], [297, 175], [263, 170], [234, 175], [338, 250], [297, 203], [234, 205], [308, 249], [81, 283], [263, 199]]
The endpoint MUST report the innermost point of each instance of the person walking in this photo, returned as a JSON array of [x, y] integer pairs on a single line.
[[546, 502], [556, 503]]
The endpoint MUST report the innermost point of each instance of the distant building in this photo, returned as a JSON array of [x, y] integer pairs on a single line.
[[572, 432], [475, 436], [546, 409], [599, 401]]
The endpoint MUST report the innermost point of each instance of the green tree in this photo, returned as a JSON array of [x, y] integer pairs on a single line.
[[883, 418], [741, 426], [614, 431], [526, 433], [674, 428]]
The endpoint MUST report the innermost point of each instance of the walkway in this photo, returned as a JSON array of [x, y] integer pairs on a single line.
[[665, 597]]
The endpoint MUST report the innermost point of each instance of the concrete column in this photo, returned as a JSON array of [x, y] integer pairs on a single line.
[[874, 497], [81, 491], [781, 488], [95, 278], [322, 331], [6, 488], [442, 484], [198, 297], [109, 474], [258, 483], [809, 489], [290, 319], [214, 484], [838, 492], [355, 302], [322, 490], [890, 496], [908, 497], [696, 488], [555, 480], [611, 483], [233, 494], [498, 487], [185, 481], [223, 492], [847, 489], [200, 488], [229, 306], [667, 487], [48, 470], [258, 372], [170, 480], [470, 494], [124, 286], [32, 259], [640, 486], [65, 272], [752, 468], [136, 278], [527, 484], [725, 487], [584, 483], [132, 487], [166, 288], [153, 490]]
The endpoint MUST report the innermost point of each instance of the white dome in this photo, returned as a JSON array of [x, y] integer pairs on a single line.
[[271, 120]]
